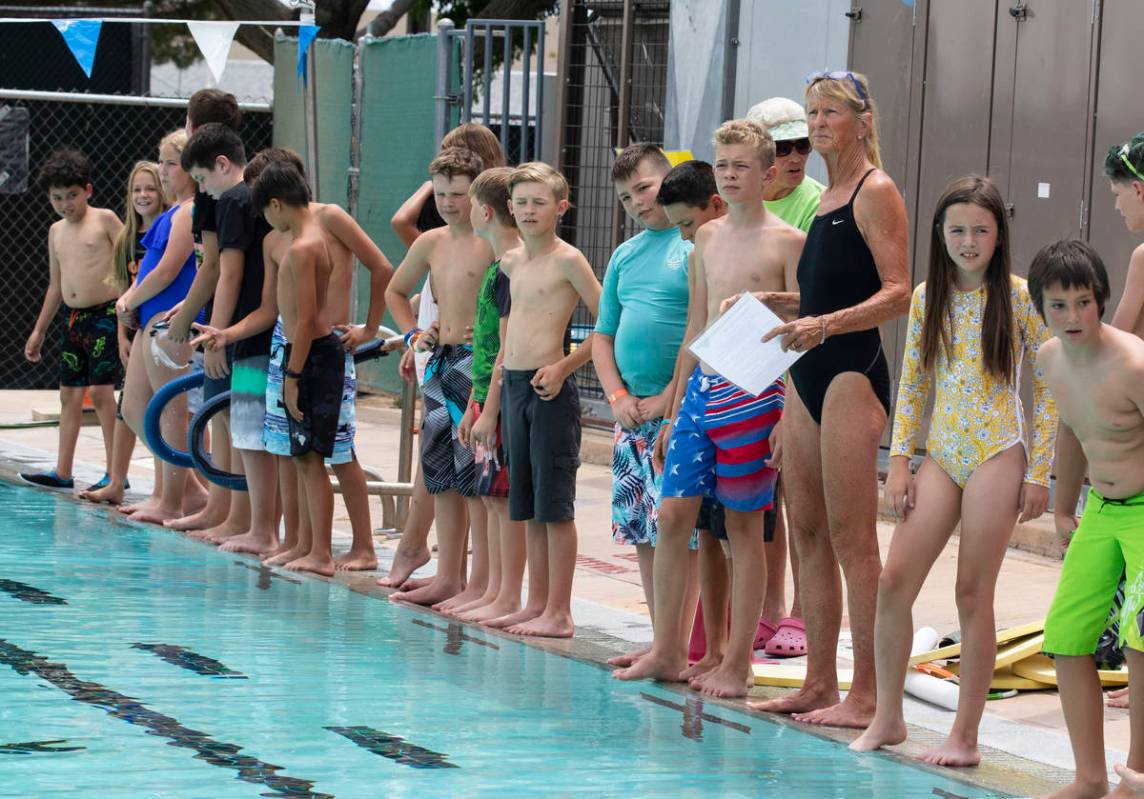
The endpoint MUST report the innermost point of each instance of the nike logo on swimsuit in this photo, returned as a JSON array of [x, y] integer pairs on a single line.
[[837, 221]]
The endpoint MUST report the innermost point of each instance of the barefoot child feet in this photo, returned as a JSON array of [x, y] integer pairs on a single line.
[[80, 256], [987, 482], [541, 417], [644, 300]]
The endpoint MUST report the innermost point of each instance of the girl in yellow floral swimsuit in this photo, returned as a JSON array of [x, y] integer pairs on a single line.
[[971, 325]]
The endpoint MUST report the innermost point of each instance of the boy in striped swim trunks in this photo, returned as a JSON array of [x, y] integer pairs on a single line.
[[720, 441]]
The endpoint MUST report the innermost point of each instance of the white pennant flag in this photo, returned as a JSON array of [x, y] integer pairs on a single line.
[[213, 39]]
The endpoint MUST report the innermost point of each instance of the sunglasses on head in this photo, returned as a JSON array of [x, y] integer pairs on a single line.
[[840, 75], [784, 148], [1124, 151]]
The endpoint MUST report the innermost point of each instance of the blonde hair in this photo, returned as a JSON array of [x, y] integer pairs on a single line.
[[852, 91], [491, 188], [539, 172], [123, 254], [478, 139], [749, 132], [176, 138]]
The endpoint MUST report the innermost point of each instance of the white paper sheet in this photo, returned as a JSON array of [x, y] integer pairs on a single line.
[[732, 346]]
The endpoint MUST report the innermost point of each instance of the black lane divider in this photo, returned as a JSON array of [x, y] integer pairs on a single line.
[[457, 634], [29, 593], [266, 574], [694, 709], [191, 661], [947, 795], [36, 747], [394, 747], [217, 753]]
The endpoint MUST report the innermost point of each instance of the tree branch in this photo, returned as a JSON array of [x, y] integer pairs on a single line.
[[384, 22]]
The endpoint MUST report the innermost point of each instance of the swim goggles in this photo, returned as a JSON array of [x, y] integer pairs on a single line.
[[1124, 157], [840, 75], [159, 330]]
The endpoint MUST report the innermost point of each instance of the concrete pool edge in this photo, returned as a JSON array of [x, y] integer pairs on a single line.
[[1014, 755]]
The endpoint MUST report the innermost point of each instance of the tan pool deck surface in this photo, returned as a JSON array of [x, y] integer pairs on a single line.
[[1026, 750]]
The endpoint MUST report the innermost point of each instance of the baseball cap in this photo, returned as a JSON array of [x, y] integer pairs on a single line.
[[782, 117]]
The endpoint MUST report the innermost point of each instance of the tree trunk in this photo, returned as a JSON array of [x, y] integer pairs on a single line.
[[384, 22]]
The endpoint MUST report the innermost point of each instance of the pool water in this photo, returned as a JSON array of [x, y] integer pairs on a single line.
[[137, 663]]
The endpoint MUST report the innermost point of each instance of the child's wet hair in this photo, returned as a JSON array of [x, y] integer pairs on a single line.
[[280, 181], [209, 142], [746, 131], [272, 155], [213, 105], [628, 161], [1070, 263], [456, 162], [691, 183], [476, 139], [65, 168], [491, 188], [539, 172]]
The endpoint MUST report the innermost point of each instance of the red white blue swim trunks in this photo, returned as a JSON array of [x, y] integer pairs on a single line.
[[720, 443]]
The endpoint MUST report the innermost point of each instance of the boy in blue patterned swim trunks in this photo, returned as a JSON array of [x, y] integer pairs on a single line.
[[642, 316], [80, 249]]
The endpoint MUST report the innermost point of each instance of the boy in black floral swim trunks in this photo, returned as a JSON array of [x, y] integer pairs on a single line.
[[80, 247]]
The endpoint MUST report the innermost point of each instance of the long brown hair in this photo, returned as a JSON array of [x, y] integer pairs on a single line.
[[997, 323], [124, 253]]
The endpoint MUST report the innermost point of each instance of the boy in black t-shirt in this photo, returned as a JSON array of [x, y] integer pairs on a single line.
[[217, 159]]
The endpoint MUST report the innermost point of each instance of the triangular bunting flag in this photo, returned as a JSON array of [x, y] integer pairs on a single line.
[[82, 36], [213, 39], [306, 35]]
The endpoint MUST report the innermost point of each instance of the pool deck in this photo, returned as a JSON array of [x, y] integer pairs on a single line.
[[1027, 750]]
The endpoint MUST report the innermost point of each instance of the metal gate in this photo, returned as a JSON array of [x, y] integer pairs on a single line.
[[475, 82]]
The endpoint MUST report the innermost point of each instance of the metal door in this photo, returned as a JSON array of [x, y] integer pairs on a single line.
[[1118, 118], [1040, 133]]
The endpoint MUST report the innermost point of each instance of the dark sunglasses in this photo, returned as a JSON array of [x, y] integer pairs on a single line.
[[783, 148]]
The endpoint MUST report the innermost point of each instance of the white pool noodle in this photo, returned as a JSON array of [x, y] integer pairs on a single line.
[[942, 693]]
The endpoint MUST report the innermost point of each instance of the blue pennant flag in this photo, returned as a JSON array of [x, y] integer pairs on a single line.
[[82, 36], [306, 35]]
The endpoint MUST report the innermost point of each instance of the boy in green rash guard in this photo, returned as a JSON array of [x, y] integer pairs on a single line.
[[792, 196], [480, 428], [640, 327], [1105, 431]]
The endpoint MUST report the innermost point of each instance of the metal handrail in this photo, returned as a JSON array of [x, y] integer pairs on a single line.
[[113, 99]]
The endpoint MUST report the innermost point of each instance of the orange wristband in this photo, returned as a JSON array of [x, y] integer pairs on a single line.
[[617, 394]]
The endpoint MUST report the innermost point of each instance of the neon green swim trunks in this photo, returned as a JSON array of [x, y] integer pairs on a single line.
[[1108, 542]]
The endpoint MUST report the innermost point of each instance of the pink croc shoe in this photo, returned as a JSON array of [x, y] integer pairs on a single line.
[[764, 633], [789, 640]]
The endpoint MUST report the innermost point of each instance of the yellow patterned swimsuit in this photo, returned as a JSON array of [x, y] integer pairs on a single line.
[[975, 415]]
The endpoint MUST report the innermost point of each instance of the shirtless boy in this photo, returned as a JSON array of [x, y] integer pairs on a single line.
[[80, 247], [1104, 431], [541, 415], [717, 454], [456, 260]]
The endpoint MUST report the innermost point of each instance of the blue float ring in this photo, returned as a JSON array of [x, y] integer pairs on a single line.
[[201, 460], [151, 418]]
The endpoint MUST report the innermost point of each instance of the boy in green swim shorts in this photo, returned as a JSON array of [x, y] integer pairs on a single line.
[[1104, 431]]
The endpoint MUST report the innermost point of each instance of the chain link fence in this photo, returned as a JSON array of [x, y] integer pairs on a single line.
[[114, 132], [615, 90]]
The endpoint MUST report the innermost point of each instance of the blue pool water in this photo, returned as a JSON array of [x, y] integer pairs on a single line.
[[136, 663]]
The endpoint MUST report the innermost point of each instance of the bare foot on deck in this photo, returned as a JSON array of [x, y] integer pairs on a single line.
[[284, 555], [654, 666], [628, 658], [1118, 698], [356, 561], [1088, 790], [878, 735], [404, 564], [466, 600], [495, 610], [313, 564], [725, 682], [545, 626], [952, 753], [700, 667], [195, 499], [109, 493], [436, 591], [250, 543], [149, 505], [202, 520], [801, 701], [847, 713], [159, 515], [219, 533], [1131, 782], [518, 617]]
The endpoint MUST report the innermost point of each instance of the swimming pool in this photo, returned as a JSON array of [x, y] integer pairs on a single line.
[[137, 663]]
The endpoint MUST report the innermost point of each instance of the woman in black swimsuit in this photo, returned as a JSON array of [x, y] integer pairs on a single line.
[[853, 277]]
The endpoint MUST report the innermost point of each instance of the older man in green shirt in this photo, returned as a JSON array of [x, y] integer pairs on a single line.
[[792, 197]]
